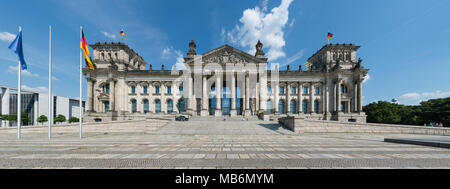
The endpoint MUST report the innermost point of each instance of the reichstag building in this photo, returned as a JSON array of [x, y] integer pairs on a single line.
[[225, 82]]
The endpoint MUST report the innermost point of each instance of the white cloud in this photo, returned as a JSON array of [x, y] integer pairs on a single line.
[[416, 98], [366, 78], [7, 37], [292, 23], [14, 70], [108, 35], [40, 89], [170, 53], [294, 58], [258, 24]]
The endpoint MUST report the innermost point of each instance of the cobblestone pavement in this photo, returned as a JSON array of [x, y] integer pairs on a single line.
[[210, 145]]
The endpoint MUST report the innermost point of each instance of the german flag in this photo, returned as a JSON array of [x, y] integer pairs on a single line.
[[84, 47], [330, 35], [122, 33]]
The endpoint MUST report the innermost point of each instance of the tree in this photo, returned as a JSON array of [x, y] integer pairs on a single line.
[[42, 119], [436, 110], [4, 118], [60, 118], [383, 112], [24, 118], [74, 120]]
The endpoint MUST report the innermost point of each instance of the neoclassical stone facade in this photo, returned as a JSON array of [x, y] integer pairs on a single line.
[[225, 82]]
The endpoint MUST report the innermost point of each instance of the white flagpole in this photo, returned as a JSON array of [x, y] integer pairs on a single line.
[[81, 91], [50, 104], [19, 93]]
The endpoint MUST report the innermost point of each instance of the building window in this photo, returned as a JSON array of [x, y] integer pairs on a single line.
[[305, 90], [169, 90], [344, 89], [133, 89], [133, 106], [105, 88], [293, 107], [269, 90], [305, 106], [294, 90], [157, 106], [281, 90], [169, 106], [281, 107], [146, 106], [145, 90], [343, 107], [181, 106], [180, 88], [317, 90], [269, 106], [106, 105], [316, 106], [157, 89]]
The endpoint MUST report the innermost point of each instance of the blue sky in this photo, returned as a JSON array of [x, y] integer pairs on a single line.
[[405, 43]]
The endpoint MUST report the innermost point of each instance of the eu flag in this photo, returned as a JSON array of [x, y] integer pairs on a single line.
[[17, 47]]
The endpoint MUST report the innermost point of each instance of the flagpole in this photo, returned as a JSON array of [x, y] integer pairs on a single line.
[[19, 95], [50, 84], [81, 91]]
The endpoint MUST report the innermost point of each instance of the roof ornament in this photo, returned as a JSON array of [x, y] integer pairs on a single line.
[[259, 52], [192, 48]]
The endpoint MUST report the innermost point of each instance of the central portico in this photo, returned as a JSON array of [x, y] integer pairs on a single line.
[[225, 81]]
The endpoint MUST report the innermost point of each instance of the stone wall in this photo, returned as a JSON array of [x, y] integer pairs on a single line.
[[301, 125]]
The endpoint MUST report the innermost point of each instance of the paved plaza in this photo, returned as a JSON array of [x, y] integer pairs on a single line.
[[210, 145]]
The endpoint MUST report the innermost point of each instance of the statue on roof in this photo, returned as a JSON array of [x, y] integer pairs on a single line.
[[192, 48], [259, 51]]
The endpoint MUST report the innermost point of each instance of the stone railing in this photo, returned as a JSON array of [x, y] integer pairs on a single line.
[[301, 125]]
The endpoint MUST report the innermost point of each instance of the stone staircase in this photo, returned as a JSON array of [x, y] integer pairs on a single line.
[[221, 118]]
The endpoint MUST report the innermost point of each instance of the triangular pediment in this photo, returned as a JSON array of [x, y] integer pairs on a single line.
[[229, 54]]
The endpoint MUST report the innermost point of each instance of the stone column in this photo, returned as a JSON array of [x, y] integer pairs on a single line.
[[360, 107], [190, 99], [311, 97], [300, 101], [338, 101], [355, 97], [233, 111], [276, 90], [218, 95], [112, 96], [205, 97], [288, 98], [262, 92], [90, 97], [247, 95]]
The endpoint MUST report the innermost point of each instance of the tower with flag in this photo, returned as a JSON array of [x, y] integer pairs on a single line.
[[122, 34]]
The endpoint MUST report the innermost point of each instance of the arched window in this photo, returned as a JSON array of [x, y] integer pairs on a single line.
[[133, 106], [282, 90], [146, 106], [145, 89], [281, 107], [269, 106], [157, 106], [169, 106], [293, 107], [305, 106], [294, 90], [316, 106], [181, 106], [344, 88]]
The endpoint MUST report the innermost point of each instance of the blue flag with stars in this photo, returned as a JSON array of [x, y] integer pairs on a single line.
[[17, 47]]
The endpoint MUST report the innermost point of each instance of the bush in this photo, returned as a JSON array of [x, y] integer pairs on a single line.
[[74, 120], [60, 118], [42, 119]]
